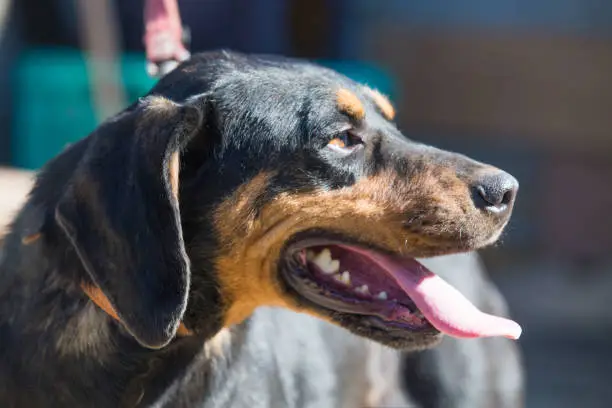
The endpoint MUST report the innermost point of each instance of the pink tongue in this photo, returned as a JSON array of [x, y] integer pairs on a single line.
[[443, 305]]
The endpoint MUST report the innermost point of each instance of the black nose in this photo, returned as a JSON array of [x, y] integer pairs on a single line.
[[495, 192]]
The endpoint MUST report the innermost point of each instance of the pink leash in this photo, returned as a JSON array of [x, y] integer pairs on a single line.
[[164, 37]]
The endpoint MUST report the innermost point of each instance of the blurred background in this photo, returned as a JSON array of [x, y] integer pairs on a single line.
[[522, 84]]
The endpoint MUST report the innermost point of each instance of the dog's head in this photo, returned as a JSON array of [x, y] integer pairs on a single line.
[[242, 182]]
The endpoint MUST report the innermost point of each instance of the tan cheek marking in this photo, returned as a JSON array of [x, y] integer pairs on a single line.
[[30, 239], [173, 168], [383, 103], [252, 241], [350, 104], [242, 285]]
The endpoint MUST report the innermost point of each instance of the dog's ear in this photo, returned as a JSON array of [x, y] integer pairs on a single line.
[[120, 211]]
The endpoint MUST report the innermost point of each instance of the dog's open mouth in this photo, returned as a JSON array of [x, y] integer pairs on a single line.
[[395, 292]]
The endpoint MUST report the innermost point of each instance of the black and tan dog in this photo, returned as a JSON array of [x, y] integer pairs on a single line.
[[161, 260]]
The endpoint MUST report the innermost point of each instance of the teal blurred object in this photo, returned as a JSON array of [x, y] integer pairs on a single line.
[[53, 103], [54, 107], [365, 72]]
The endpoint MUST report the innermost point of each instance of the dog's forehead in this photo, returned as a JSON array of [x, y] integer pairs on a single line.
[[308, 89], [326, 86], [290, 80], [277, 95]]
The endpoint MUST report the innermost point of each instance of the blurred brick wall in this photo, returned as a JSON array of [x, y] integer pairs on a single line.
[[538, 104], [547, 91], [576, 201]]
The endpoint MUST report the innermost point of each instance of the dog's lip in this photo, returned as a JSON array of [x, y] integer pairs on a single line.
[[299, 244]]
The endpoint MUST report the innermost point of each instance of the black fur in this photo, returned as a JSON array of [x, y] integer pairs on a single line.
[[106, 215]]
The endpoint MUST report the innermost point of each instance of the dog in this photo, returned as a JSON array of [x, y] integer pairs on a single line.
[[215, 244]]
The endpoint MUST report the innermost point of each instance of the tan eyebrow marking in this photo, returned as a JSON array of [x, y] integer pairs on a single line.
[[383, 103], [350, 104]]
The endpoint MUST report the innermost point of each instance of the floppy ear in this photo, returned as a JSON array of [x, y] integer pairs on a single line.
[[120, 211]]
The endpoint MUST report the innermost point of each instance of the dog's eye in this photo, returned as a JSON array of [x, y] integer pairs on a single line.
[[345, 140]]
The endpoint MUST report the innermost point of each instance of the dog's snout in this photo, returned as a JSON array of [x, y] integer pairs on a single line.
[[495, 191]]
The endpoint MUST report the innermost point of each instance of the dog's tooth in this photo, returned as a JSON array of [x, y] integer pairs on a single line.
[[324, 256], [330, 267], [363, 289], [344, 277], [333, 267], [325, 262], [382, 296]]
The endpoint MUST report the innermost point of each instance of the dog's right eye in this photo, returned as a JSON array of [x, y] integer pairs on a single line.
[[345, 140]]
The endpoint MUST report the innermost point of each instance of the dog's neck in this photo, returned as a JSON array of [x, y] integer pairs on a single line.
[[54, 336]]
